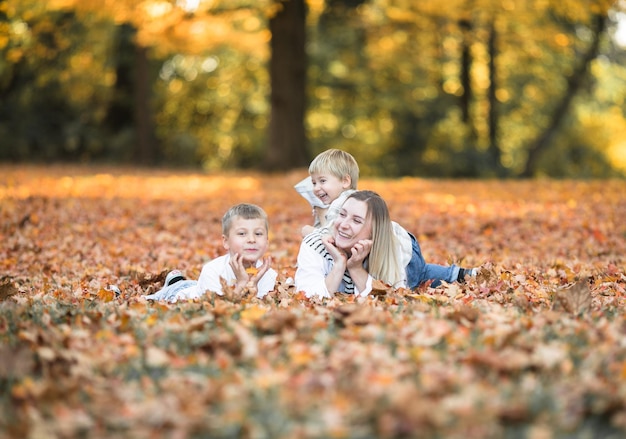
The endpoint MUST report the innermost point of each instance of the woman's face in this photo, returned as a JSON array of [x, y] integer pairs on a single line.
[[352, 224]]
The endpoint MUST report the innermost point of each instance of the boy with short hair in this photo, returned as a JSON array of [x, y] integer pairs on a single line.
[[245, 229], [333, 176]]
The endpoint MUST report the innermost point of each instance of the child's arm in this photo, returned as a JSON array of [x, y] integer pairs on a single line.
[[320, 213], [319, 220]]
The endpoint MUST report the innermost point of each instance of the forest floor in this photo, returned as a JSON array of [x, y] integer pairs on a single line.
[[533, 347]]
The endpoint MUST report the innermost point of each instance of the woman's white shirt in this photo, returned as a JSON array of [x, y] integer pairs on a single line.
[[312, 271]]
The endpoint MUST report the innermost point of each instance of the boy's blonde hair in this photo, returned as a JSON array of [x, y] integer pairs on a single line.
[[338, 163], [245, 211], [383, 260]]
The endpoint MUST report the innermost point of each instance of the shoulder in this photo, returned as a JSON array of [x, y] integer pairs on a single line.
[[314, 239], [342, 197], [217, 263]]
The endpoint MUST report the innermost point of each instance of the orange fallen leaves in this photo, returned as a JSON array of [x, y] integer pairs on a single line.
[[533, 343]]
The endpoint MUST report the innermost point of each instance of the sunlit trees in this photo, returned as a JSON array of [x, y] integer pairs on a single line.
[[479, 88]]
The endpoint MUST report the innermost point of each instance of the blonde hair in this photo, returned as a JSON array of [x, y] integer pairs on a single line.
[[245, 211], [338, 163], [383, 260]]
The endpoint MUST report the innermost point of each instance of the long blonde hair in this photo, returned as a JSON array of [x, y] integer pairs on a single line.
[[384, 260]]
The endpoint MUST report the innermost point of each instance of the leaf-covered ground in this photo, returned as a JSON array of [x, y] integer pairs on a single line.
[[534, 347]]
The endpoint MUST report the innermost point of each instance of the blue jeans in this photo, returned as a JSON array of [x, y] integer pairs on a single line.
[[418, 271]]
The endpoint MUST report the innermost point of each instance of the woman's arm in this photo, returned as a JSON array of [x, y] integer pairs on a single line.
[[354, 264], [311, 273]]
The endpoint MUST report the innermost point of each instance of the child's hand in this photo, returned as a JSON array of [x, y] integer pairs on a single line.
[[236, 263], [248, 276], [256, 273], [359, 253]]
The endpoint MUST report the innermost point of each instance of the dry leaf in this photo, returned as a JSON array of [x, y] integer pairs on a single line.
[[7, 288], [576, 299], [379, 288]]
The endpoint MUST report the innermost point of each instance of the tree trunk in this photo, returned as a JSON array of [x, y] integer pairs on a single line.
[[466, 69], [467, 97], [494, 147], [130, 104], [287, 147], [145, 146], [574, 82]]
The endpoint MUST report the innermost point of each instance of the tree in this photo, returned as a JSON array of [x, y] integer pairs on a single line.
[[287, 148], [130, 105], [175, 29], [574, 83]]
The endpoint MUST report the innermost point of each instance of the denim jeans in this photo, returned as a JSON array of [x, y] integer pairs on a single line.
[[418, 271]]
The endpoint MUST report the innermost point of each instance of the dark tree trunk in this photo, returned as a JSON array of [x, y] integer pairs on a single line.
[[466, 80], [574, 83], [130, 105], [494, 146], [145, 146], [287, 147], [120, 114], [466, 68]]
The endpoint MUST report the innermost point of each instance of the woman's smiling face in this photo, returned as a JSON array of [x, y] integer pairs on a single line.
[[352, 224]]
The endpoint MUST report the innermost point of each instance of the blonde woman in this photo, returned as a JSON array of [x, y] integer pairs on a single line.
[[360, 247]]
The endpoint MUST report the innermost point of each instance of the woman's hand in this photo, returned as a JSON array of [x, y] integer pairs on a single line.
[[359, 253], [337, 254]]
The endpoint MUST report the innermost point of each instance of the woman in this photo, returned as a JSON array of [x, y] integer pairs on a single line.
[[360, 247]]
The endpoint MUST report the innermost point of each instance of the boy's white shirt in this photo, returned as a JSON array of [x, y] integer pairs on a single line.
[[209, 280]]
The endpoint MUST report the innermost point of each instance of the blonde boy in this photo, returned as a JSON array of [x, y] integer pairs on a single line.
[[333, 177], [245, 237]]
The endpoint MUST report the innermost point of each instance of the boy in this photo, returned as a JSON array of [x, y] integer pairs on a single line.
[[245, 230], [333, 177]]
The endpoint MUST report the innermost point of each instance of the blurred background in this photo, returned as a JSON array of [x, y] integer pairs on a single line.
[[472, 88]]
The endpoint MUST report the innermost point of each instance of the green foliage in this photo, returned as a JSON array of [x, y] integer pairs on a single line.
[[213, 110], [384, 82]]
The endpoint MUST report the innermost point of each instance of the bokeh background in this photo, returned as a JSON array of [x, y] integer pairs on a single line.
[[482, 89]]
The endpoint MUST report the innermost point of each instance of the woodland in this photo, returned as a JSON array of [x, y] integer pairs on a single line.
[[494, 129], [480, 88], [533, 347]]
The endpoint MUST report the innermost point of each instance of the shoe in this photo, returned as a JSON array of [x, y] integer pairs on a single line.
[[173, 277], [115, 289], [472, 272]]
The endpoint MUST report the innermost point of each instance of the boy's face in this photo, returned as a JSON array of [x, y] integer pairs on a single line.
[[328, 187], [247, 237]]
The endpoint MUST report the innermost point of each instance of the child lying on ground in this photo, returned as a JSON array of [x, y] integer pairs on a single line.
[[245, 230]]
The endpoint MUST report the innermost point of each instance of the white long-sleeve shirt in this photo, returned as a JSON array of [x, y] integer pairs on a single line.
[[312, 271], [209, 280]]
